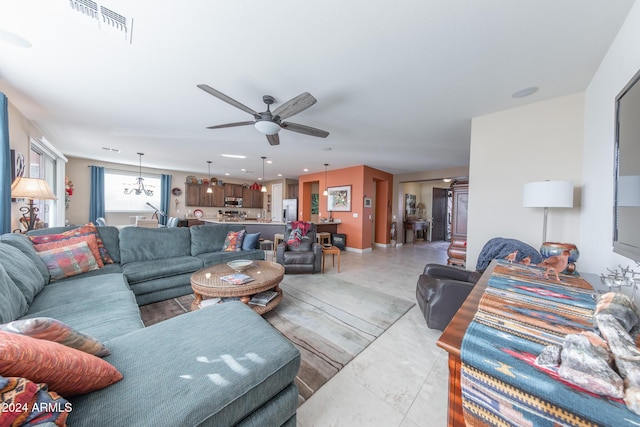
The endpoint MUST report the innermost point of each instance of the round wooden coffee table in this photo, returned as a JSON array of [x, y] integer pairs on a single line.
[[267, 276]]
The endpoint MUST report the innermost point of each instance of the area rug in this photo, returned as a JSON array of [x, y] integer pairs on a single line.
[[329, 320]]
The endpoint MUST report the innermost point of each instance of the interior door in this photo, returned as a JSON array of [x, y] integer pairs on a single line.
[[439, 214]]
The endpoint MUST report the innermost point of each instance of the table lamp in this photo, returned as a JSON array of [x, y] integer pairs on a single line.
[[32, 189], [547, 194]]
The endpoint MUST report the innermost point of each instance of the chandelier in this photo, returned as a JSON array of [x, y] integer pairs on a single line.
[[137, 187]]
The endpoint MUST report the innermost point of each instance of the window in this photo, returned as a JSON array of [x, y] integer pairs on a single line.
[[116, 201], [46, 162]]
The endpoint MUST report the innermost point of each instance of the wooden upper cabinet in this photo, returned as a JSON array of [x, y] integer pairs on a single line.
[[292, 191], [257, 198], [206, 199], [218, 196], [246, 197], [192, 195], [233, 190]]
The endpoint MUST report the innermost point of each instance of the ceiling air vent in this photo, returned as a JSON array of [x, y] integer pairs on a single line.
[[107, 20]]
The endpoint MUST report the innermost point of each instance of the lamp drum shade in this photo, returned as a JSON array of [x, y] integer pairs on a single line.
[[548, 194], [31, 188]]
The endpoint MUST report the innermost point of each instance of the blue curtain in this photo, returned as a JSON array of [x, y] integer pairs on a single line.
[[5, 167], [165, 197], [96, 199]]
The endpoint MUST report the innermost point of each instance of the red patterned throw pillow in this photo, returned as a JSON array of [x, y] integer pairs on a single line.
[[233, 242], [65, 370], [90, 239], [85, 230], [47, 328], [68, 261]]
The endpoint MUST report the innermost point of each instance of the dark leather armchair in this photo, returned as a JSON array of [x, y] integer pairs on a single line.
[[305, 257], [441, 290]]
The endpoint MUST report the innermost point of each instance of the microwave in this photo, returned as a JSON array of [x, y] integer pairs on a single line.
[[234, 202]]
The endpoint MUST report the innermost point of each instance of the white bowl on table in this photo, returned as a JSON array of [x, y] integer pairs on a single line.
[[240, 264]]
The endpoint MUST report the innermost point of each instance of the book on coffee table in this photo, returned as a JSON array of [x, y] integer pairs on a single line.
[[263, 298], [237, 278]]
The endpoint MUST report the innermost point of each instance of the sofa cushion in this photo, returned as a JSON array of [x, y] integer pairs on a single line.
[[85, 230], [210, 238], [233, 241], [231, 363], [12, 303], [22, 271], [67, 261], [119, 314], [141, 271], [68, 241], [46, 328], [251, 241], [23, 243], [291, 257], [144, 244], [65, 370], [78, 288]]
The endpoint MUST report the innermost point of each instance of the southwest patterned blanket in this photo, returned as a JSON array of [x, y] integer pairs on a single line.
[[519, 314]]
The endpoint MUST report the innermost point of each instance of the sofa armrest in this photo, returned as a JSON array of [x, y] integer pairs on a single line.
[[450, 272]]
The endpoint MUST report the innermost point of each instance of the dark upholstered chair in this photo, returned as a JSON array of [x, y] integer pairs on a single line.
[[305, 257], [441, 290]]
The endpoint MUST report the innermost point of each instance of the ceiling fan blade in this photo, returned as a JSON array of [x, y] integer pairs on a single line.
[[221, 96], [294, 105], [230, 125], [273, 139], [307, 130]]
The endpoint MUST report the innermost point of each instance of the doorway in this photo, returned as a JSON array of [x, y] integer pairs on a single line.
[[439, 214]]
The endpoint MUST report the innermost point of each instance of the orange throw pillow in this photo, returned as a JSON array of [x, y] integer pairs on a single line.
[[65, 370], [85, 230]]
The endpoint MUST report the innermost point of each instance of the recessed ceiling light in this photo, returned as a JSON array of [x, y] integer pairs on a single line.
[[243, 170], [525, 92], [226, 174], [305, 170], [234, 156], [279, 174], [14, 39], [269, 161]]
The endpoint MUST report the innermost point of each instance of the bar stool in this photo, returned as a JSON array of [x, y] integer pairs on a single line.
[[277, 238], [323, 238]]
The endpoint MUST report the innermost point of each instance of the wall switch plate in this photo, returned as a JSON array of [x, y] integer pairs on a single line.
[[355, 214], [394, 217]]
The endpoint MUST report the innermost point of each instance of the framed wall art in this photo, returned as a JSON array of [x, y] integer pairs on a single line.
[[339, 199]]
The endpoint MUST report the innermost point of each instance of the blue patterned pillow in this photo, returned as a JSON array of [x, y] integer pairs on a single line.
[[69, 260]]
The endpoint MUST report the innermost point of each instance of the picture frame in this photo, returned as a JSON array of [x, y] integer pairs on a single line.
[[339, 199], [367, 202]]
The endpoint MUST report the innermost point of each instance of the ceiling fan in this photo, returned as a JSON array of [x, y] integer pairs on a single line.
[[269, 123]]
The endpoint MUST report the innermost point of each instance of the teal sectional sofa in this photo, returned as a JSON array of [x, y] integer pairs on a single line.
[[220, 366]]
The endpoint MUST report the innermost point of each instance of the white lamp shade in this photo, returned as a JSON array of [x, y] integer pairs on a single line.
[[31, 188], [267, 127], [548, 194], [629, 190]]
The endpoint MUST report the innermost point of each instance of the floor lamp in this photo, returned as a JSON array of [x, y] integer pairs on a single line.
[[32, 189], [547, 194]]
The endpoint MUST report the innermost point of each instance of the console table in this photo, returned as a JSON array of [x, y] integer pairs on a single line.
[[510, 316], [414, 227]]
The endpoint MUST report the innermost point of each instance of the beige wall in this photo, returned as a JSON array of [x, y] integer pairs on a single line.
[[537, 142], [78, 212], [617, 68]]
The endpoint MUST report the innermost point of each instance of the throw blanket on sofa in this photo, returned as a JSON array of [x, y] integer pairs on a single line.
[[299, 229], [499, 248]]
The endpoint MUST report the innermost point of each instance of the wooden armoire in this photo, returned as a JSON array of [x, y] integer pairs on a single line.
[[458, 248]]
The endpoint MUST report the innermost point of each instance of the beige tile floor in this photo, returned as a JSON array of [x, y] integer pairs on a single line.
[[400, 380]]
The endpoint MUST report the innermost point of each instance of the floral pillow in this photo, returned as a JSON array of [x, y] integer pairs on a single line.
[[233, 242], [85, 230], [69, 260], [68, 241]]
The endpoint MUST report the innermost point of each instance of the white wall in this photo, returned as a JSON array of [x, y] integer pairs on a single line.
[[619, 65], [536, 142]]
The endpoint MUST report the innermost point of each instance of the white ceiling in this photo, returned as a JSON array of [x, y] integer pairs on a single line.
[[397, 83]]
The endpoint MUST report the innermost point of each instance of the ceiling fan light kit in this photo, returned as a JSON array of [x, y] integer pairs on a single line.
[[269, 123]]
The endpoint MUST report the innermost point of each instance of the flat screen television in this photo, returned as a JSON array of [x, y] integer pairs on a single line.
[[626, 214]]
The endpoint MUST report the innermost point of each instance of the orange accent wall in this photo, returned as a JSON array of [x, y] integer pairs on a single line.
[[363, 180]]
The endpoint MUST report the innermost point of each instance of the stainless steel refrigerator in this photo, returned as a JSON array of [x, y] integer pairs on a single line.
[[290, 210]]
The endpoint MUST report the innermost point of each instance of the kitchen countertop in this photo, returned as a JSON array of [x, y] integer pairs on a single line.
[[253, 221]]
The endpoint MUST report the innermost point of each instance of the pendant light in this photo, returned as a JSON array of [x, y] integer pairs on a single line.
[[264, 187], [209, 190], [137, 187], [326, 191]]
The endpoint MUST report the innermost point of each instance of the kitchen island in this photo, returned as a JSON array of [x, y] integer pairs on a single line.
[[268, 229]]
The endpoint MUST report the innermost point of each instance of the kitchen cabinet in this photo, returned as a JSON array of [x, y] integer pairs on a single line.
[[196, 195], [292, 191], [233, 190], [251, 198], [192, 195]]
